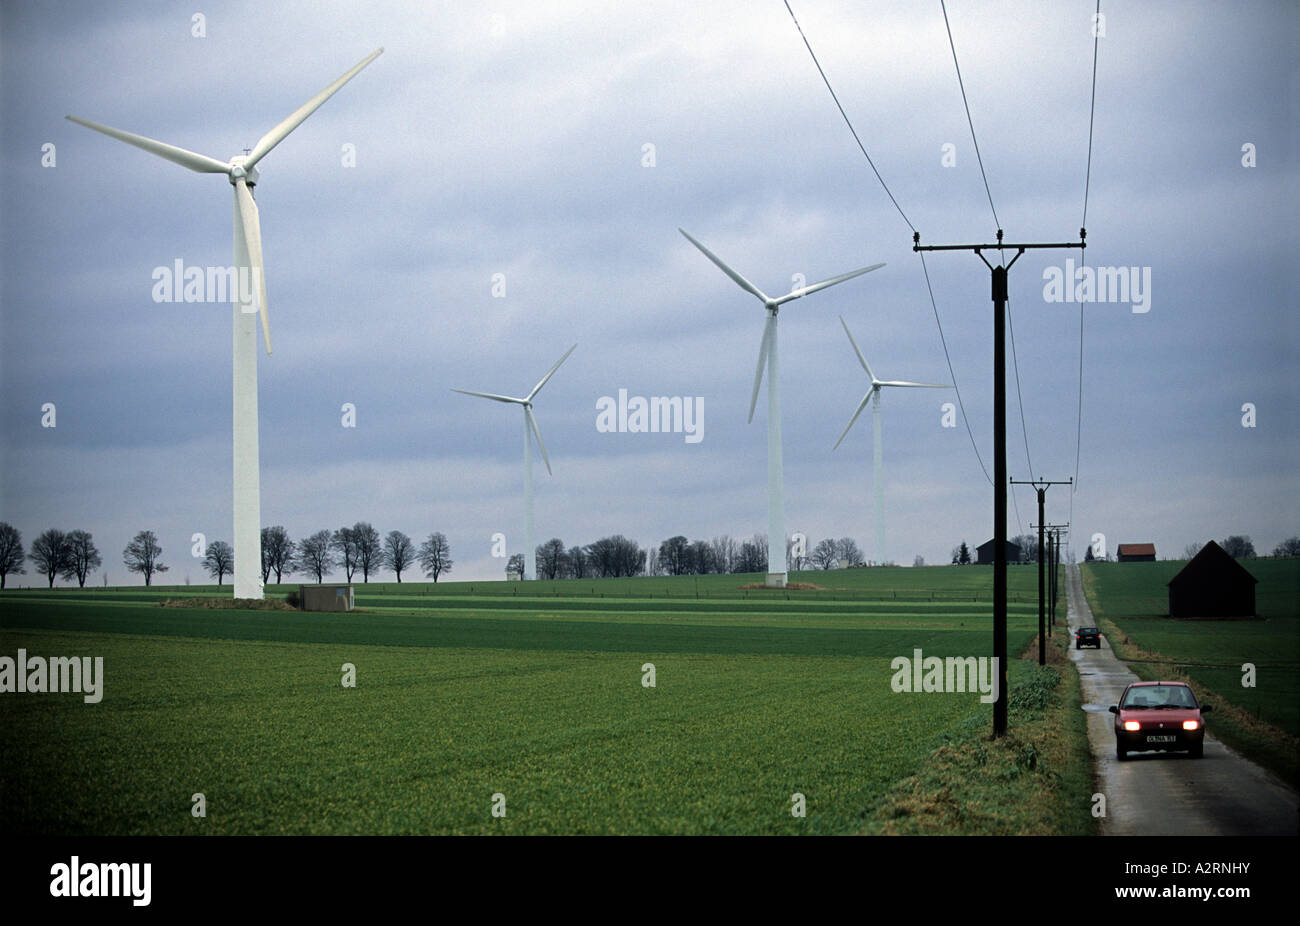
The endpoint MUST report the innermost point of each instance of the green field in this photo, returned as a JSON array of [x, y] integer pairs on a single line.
[[466, 690]]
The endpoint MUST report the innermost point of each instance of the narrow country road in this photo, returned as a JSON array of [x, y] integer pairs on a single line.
[[1168, 794]]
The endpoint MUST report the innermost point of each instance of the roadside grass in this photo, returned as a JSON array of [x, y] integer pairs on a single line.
[[1036, 780]]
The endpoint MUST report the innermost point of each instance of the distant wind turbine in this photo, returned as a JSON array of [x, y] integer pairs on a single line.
[[873, 396], [767, 356], [530, 431], [241, 172]]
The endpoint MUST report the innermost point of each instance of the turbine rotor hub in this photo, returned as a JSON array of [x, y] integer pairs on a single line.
[[238, 171]]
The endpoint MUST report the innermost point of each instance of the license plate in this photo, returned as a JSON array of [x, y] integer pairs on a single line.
[[1161, 739]]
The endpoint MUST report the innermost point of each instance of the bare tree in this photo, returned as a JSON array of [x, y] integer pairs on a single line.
[[1238, 547], [315, 555], [142, 555], [550, 559], [435, 556], [753, 555], [673, 555], [515, 565], [220, 560], [724, 553], [278, 553], [1028, 544], [399, 552], [1288, 547], [12, 556], [83, 557], [846, 548], [825, 555], [576, 559], [1190, 550], [701, 558], [50, 553], [370, 549], [344, 544]]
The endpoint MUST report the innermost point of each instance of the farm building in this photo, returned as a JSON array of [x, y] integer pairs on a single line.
[[1136, 553], [984, 553], [1212, 584]]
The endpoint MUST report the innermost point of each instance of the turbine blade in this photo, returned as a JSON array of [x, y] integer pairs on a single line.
[[900, 382], [495, 398], [861, 405], [763, 348], [809, 290], [253, 242], [740, 280], [549, 373], [861, 359], [277, 134], [196, 162], [532, 422]]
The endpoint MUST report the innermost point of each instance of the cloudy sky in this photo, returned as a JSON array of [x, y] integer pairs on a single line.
[[560, 146]]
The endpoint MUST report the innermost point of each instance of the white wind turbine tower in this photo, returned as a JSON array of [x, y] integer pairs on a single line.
[[241, 172], [530, 430], [767, 356], [873, 396]]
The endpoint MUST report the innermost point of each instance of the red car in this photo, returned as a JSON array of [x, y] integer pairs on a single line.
[[1159, 715]]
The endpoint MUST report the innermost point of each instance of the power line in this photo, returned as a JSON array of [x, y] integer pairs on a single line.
[[944, 342], [1024, 430], [969, 122], [929, 288], [1092, 110], [861, 146]]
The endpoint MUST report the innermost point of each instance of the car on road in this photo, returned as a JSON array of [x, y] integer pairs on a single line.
[[1087, 636], [1163, 716]]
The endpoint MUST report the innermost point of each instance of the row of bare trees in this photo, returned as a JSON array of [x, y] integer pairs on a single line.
[[358, 548], [608, 557], [72, 555]]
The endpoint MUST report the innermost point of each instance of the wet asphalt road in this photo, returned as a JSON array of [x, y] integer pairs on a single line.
[[1169, 794]]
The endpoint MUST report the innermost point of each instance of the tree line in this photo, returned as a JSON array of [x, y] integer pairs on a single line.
[[73, 555]]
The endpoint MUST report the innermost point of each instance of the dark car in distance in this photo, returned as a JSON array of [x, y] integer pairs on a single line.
[[1087, 636], [1163, 716]]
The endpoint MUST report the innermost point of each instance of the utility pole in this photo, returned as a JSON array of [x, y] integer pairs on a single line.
[[1056, 563], [1054, 543], [999, 274], [1040, 486]]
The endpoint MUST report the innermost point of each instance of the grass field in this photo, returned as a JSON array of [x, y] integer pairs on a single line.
[[530, 691], [1266, 722]]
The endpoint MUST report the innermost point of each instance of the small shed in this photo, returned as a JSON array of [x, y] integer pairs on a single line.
[[1136, 553], [1212, 585], [326, 597], [984, 553]]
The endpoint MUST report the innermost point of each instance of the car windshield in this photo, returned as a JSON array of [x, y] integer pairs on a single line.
[[1087, 630], [1157, 696]]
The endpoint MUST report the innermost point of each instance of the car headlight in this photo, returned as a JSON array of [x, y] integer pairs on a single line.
[[1191, 724], [1132, 726]]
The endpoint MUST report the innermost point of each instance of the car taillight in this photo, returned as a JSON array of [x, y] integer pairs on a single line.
[[1191, 724], [1132, 725]]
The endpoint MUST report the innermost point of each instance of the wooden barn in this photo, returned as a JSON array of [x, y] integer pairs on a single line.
[[1212, 585], [1136, 553], [984, 553]]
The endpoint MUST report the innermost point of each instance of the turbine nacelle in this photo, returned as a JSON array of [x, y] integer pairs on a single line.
[[239, 169]]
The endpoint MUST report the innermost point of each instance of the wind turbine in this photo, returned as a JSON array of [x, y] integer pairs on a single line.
[[873, 396], [242, 174], [530, 430], [767, 356]]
